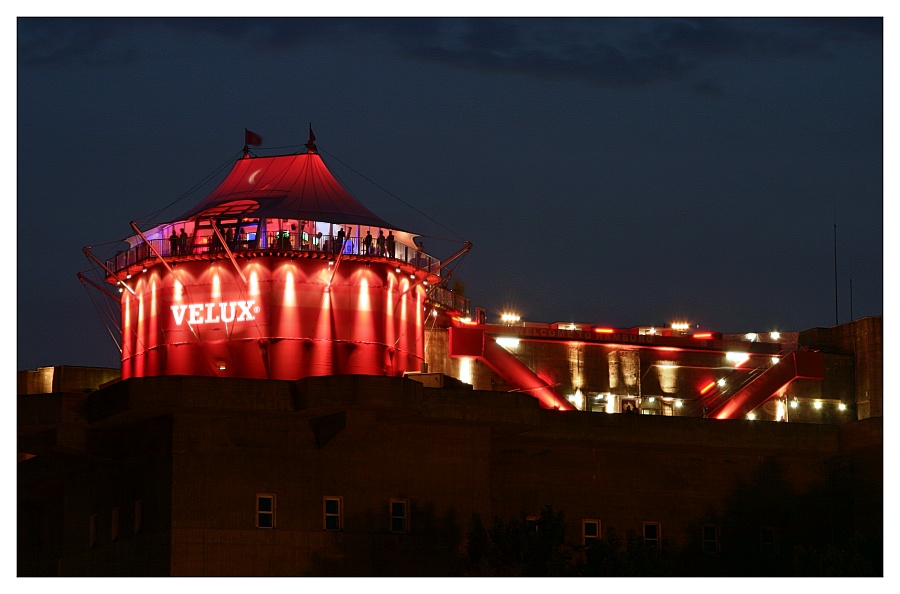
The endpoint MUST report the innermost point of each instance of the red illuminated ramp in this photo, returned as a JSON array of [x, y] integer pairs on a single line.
[[475, 343], [794, 365]]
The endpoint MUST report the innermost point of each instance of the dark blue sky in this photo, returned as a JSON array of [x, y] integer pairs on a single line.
[[614, 171]]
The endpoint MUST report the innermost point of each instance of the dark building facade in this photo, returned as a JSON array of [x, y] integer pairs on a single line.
[[383, 476]]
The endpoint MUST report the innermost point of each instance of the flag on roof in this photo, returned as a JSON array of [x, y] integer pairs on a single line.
[[252, 139]]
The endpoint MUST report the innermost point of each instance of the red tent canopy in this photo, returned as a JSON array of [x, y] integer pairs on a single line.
[[286, 187]]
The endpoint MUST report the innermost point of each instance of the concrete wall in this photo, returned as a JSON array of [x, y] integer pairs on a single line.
[[64, 378], [861, 339], [197, 451]]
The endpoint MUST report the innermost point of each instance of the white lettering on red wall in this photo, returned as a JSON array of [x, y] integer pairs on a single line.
[[212, 313]]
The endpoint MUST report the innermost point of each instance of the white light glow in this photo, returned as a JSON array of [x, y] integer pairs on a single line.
[[775, 360], [465, 370], [751, 336], [779, 410], [678, 404], [775, 335], [817, 404], [680, 326], [611, 403], [651, 399], [721, 382], [509, 318], [794, 403], [842, 406], [752, 416], [508, 342], [737, 358]]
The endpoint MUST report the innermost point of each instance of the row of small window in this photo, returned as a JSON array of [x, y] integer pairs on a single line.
[[114, 523], [590, 531], [333, 513]]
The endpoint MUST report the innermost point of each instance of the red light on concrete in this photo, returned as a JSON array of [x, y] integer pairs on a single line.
[[707, 388], [281, 323]]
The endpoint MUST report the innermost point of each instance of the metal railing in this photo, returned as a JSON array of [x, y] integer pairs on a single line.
[[450, 300], [293, 242], [276, 241]]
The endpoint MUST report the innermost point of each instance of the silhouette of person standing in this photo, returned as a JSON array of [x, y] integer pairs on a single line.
[[380, 242], [182, 242], [173, 244], [390, 244]]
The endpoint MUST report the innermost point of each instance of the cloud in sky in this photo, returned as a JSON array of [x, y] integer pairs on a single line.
[[608, 52]]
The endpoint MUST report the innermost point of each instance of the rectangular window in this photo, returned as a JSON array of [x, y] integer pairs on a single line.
[[265, 510], [590, 531], [114, 524], [137, 516], [334, 513], [399, 516], [767, 541], [710, 538], [92, 530], [651, 533]]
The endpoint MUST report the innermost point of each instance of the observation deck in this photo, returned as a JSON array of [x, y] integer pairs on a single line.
[[407, 259]]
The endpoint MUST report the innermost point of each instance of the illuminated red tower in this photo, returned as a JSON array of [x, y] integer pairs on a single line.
[[279, 273]]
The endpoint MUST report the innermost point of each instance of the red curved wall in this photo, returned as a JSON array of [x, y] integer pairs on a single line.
[[283, 323]]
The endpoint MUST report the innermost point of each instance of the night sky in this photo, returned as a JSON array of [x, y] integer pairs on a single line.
[[620, 172]]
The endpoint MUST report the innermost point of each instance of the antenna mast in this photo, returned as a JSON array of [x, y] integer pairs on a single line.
[[835, 270]]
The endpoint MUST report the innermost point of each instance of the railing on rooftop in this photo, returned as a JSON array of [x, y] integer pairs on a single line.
[[292, 242], [276, 242], [284, 241], [450, 300]]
